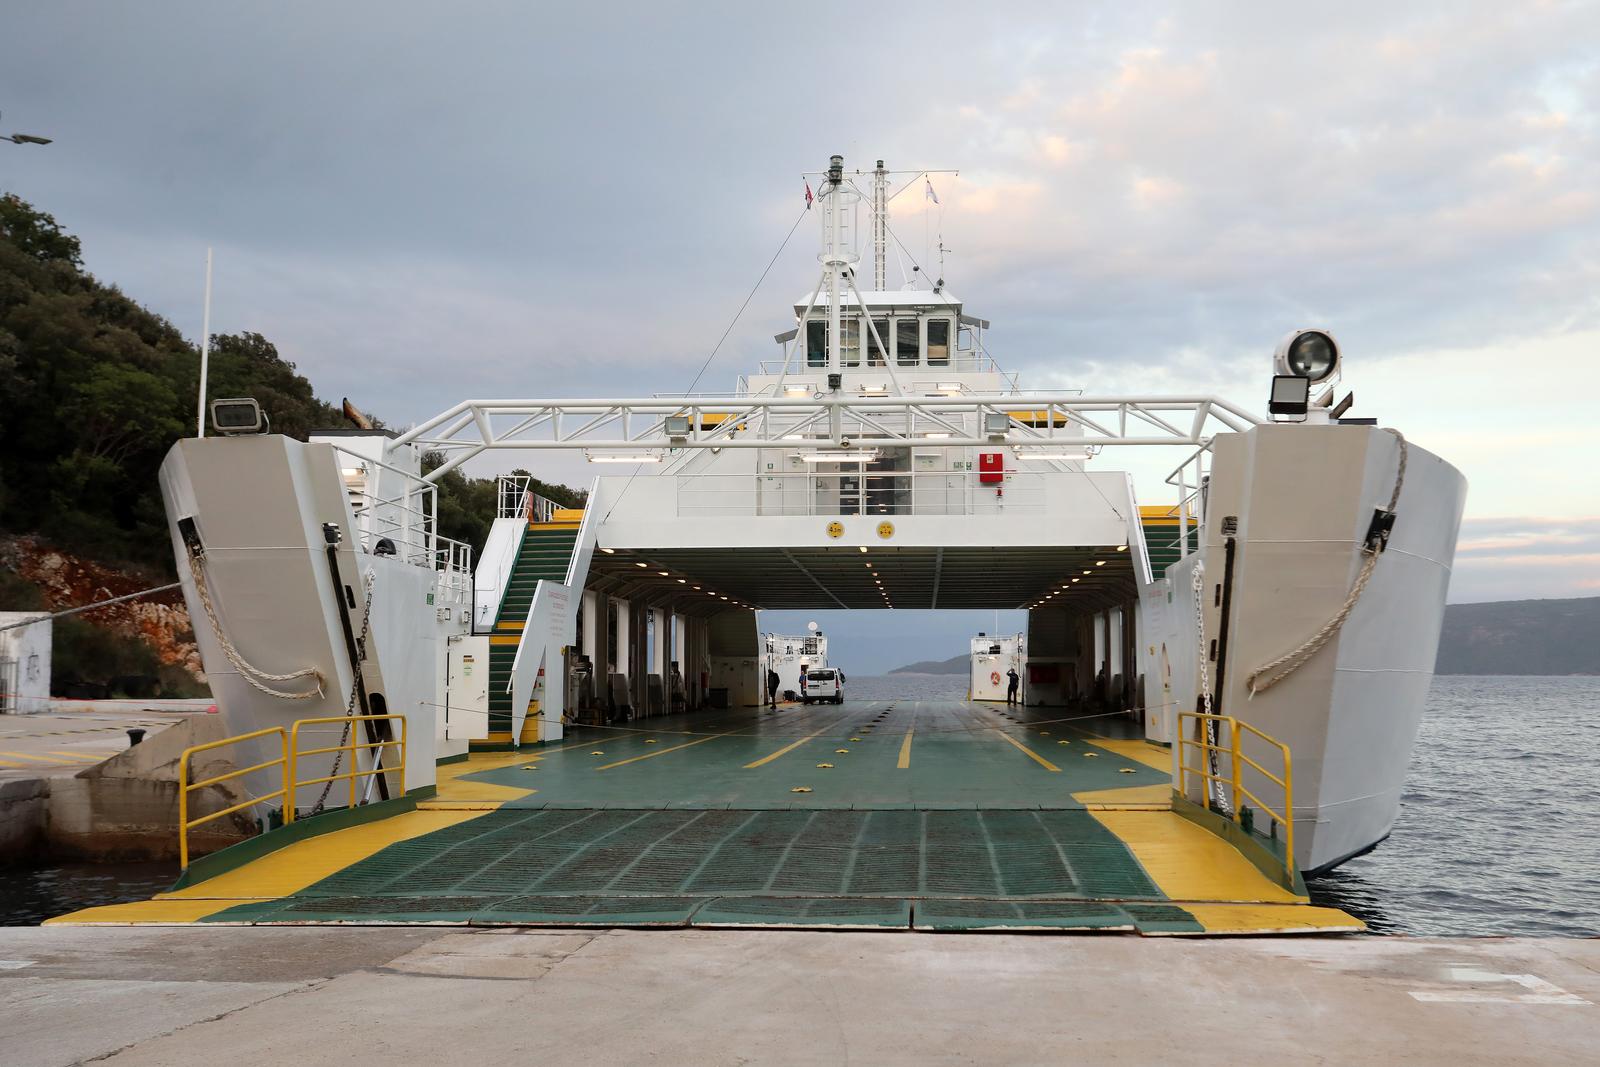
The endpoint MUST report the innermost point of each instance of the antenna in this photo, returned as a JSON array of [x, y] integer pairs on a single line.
[[880, 225], [205, 348]]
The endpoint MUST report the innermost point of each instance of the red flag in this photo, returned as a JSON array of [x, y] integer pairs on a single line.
[[808, 196]]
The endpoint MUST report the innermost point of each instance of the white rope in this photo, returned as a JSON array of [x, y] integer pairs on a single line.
[[249, 672], [1295, 659]]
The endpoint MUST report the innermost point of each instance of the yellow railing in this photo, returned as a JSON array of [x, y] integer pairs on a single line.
[[350, 747], [289, 755], [1226, 748], [185, 787]]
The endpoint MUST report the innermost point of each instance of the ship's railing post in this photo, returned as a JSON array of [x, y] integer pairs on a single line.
[[185, 787]]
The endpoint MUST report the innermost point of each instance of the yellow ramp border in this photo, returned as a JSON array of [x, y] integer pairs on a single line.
[[1189, 863], [1265, 919]]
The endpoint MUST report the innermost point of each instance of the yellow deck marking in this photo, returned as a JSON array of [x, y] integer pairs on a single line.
[[1190, 863], [1142, 751], [1030, 753], [1271, 919], [764, 760], [905, 750], [36, 757], [11, 763], [1142, 797], [662, 752], [296, 866], [149, 911], [506, 639]]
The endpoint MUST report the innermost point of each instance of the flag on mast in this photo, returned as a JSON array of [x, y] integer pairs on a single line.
[[808, 196], [931, 195]]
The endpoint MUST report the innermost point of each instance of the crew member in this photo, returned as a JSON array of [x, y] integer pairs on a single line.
[[772, 687], [802, 682], [1013, 682]]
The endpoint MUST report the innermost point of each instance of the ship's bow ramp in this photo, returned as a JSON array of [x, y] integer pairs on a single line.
[[908, 815]]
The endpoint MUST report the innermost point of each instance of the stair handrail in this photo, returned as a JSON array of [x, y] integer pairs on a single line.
[[525, 666]]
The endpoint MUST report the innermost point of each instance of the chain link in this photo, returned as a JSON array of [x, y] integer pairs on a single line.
[[350, 704], [1214, 790]]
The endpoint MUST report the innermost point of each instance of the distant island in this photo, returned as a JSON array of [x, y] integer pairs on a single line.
[[1506, 637], [953, 665]]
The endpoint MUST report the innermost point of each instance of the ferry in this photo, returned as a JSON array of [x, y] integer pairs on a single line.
[[1221, 674]]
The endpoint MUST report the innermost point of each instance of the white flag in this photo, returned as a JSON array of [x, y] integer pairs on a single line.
[[931, 195]]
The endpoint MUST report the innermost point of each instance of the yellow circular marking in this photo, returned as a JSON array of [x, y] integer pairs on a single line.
[[855, 739], [841, 751], [801, 789], [597, 753], [649, 740], [1091, 755], [1124, 770], [1063, 742], [835, 529], [825, 766], [886, 530]]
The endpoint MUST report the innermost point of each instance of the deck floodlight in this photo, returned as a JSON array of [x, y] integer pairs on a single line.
[[677, 427], [1311, 354], [1291, 395], [996, 424], [238, 417]]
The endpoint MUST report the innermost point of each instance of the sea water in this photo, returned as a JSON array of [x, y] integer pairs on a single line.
[[1497, 832]]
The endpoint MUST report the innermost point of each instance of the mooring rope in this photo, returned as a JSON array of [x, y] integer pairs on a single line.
[[248, 671], [1295, 659]]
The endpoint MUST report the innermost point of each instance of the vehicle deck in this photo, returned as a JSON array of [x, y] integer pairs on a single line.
[[925, 815]]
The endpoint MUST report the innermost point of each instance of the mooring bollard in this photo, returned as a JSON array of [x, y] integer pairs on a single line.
[[135, 736]]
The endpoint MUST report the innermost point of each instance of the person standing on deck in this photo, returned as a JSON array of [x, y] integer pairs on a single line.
[[773, 682], [802, 682], [1013, 682]]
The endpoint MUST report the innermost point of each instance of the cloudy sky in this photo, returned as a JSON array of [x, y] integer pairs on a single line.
[[418, 203]]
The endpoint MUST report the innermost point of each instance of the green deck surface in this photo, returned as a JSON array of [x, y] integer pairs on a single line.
[[693, 821], [958, 758]]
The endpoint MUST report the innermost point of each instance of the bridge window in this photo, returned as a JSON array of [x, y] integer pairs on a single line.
[[850, 342], [938, 342], [877, 339], [816, 344], [907, 341]]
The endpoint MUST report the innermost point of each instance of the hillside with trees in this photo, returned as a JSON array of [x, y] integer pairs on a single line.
[[94, 389]]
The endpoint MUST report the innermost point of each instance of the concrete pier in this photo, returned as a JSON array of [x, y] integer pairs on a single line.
[[416, 995]]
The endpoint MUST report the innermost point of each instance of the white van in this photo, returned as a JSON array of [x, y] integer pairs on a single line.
[[824, 683]]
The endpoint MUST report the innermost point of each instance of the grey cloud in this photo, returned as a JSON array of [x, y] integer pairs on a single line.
[[510, 198]]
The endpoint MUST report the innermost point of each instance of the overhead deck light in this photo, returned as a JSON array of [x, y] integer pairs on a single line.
[[645, 565], [862, 547], [593, 458], [1122, 548], [1099, 563], [664, 574], [609, 551]]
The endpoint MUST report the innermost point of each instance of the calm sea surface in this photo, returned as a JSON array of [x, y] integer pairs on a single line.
[[1499, 831]]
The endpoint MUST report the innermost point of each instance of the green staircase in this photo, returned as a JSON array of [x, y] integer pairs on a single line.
[[546, 554], [1161, 542]]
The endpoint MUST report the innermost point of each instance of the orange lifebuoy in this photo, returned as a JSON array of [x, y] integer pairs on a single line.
[[994, 677]]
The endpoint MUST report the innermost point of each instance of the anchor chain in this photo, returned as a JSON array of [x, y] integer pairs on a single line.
[[350, 704]]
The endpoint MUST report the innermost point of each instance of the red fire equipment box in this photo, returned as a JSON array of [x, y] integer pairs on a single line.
[[991, 467]]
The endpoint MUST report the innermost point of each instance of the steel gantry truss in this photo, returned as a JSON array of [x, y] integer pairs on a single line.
[[833, 420]]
